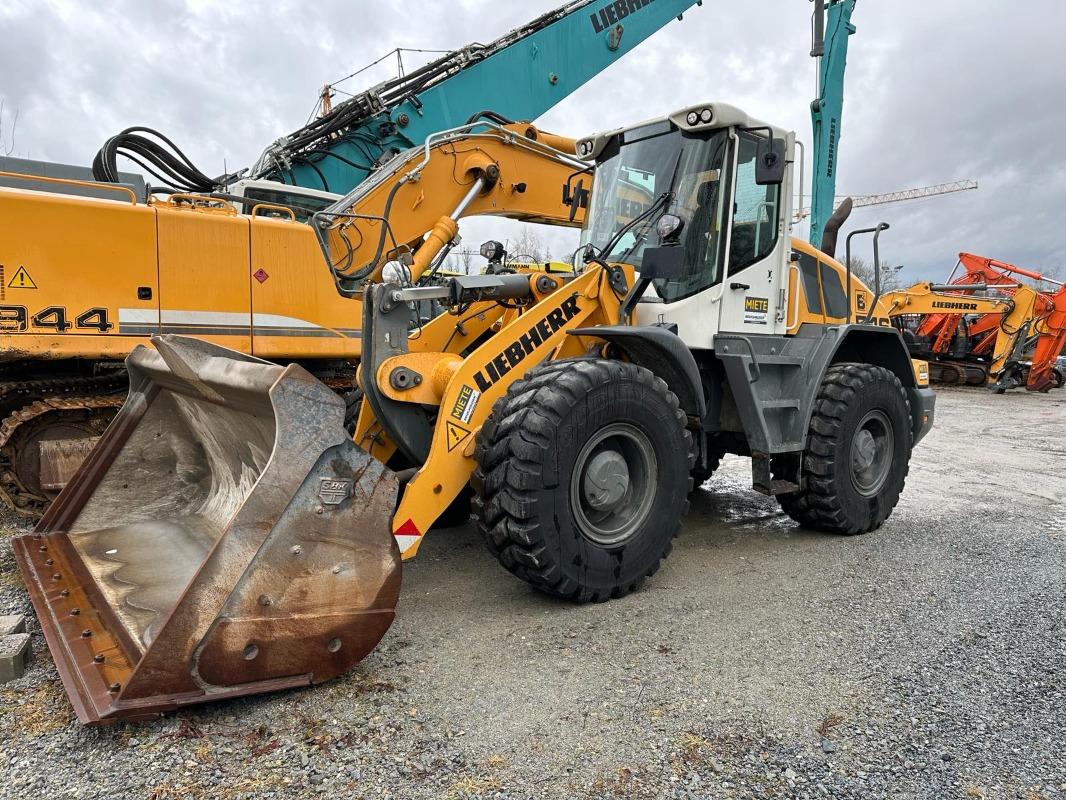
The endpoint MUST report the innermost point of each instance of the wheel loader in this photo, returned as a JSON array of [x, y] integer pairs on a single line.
[[227, 536]]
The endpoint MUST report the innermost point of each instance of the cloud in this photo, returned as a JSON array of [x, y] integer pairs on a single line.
[[935, 92]]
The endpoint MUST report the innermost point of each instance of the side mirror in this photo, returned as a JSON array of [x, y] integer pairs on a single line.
[[770, 162], [662, 262]]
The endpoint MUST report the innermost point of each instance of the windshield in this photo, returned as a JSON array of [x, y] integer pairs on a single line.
[[645, 163]]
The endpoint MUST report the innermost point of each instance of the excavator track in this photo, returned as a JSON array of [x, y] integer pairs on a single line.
[[66, 415], [956, 373]]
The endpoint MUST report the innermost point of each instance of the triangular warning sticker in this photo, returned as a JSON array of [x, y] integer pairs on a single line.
[[22, 280], [456, 435]]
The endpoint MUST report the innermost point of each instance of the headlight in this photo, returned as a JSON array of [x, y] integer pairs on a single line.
[[492, 250], [585, 148], [669, 227], [706, 115], [395, 272], [693, 118]]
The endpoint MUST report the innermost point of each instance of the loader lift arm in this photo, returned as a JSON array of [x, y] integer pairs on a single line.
[[410, 209]]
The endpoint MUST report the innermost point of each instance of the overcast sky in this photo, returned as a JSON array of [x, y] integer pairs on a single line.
[[936, 92]]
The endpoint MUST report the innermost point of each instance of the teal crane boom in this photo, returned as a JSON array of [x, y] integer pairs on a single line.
[[519, 76], [832, 29]]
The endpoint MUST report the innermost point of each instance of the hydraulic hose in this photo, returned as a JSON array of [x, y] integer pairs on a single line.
[[171, 166]]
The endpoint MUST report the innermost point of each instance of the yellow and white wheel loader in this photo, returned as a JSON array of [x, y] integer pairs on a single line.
[[228, 537]]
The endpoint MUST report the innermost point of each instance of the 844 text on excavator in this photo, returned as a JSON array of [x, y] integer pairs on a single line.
[[228, 536]]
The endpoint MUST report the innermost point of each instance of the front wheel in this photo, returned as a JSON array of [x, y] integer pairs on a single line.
[[583, 470], [857, 452]]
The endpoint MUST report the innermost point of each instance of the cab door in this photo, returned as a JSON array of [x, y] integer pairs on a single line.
[[752, 296]]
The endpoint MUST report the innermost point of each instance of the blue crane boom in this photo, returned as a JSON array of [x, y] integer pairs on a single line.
[[832, 29], [519, 76]]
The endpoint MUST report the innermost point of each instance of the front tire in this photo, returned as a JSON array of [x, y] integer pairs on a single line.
[[583, 470], [857, 454]]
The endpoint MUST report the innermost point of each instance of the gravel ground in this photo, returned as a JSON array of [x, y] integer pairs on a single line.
[[926, 660]]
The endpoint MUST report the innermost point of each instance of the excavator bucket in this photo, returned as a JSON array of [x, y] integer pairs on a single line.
[[224, 538]]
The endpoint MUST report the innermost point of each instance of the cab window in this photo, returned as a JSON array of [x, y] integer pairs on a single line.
[[755, 211]]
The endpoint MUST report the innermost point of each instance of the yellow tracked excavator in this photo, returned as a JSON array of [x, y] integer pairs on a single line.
[[227, 536]]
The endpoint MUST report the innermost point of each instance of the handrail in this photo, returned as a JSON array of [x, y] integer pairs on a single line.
[[273, 207], [754, 371], [876, 231], [202, 200], [72, 182]]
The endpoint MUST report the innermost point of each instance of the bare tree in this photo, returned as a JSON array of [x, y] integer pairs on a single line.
[[864, 271], [465, 259], [7, 150], [527, 247]]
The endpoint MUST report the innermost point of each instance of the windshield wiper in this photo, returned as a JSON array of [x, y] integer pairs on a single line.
[[669, 193]]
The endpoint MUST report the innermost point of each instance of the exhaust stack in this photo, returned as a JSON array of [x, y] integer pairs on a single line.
[[833, 226]]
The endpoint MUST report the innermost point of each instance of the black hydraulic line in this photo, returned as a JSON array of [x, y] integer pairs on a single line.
[[339, 157], [386, 212], [165, 161], [490, 115], [318, 172]]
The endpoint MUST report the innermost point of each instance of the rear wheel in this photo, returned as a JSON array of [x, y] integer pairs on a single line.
[[583, 470], [858, 449]]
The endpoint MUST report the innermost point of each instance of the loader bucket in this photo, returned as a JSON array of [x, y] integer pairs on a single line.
[[224, 538]]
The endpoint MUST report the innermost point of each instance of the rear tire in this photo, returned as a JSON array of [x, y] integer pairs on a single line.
[[858, 451], [582, 478]]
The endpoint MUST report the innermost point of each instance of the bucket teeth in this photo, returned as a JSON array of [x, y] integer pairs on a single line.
[[224, 538]]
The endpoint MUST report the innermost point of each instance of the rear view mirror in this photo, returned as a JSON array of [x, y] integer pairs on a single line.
[[770, 162]]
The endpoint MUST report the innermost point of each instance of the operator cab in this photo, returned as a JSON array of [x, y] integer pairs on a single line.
[[724, 176], [302, 201]]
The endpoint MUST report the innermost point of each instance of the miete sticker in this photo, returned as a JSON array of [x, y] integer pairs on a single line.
[[465, 404], [755, 310]]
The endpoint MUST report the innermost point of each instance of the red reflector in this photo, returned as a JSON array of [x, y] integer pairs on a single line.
[[407, 529]]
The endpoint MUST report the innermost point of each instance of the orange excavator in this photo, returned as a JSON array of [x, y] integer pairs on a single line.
[[960, 347]]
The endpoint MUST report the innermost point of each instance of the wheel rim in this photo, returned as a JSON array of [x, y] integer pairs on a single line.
[[612, 487], [871, 453]]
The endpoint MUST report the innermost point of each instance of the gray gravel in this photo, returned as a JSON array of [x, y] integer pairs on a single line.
[[926, 660]]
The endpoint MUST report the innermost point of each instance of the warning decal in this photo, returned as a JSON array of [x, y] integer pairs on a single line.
[[456, 436], [22, 280]]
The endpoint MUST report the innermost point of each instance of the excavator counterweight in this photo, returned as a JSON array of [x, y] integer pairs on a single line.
[[224, 538]]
